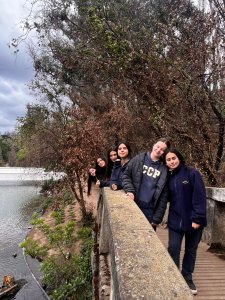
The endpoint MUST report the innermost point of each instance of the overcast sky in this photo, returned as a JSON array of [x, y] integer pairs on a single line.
[[15, 71]]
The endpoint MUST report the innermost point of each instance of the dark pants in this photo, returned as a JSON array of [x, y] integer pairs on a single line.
[[192, 239], [149, 215]]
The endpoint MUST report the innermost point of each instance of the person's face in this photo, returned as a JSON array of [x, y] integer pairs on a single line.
[[92, 171], [100, 162], [158, 149], [123, 151], [113, 155], [172, 161]]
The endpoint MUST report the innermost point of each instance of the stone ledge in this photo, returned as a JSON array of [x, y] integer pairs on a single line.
[[216, 194], [141, 266]]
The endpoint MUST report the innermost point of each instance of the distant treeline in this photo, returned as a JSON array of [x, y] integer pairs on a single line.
[[7, 150]]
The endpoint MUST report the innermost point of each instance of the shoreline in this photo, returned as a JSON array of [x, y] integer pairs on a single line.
[[33, 264]]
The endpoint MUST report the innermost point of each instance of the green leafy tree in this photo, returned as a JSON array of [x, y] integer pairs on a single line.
[[6, 146]]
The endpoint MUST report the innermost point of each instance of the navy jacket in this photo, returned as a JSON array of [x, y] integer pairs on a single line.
[[117, 173], [104, 183], [187, 198]]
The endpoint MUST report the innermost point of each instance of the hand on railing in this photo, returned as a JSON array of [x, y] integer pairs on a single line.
[[130, 195], [114, 187]]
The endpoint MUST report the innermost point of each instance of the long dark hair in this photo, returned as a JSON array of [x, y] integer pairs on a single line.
[[100, 171], [110, 163], [100, 174], [176, 152], [128, 147], [89, 183]]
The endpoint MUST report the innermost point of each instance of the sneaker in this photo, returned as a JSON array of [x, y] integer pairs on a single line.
[[192, 287]]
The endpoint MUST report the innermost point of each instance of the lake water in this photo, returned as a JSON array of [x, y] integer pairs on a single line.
[[17, 203]]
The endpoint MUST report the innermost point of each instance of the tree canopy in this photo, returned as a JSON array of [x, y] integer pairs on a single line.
[[126, 69]]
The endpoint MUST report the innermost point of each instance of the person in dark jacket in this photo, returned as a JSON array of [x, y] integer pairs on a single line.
[[96, 173], [187, 212], [111, 158], [124, 155], [144, 181]]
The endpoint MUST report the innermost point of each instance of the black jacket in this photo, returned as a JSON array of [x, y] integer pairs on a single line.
[[131, 180]]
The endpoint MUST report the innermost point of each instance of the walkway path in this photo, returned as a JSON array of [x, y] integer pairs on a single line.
[[209, 275]]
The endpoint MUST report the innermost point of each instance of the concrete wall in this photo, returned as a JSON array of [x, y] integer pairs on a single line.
[[140, 266], [214, 233]]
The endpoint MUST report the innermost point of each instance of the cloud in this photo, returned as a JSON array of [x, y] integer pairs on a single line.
[[13, 99], [15, 67], [16, 71]]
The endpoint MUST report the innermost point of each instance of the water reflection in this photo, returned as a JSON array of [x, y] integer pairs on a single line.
[[17, 203]]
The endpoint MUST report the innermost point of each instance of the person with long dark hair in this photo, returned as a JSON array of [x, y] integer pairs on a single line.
[[187, 212], [124, 155], [111, 158], [96, 173]]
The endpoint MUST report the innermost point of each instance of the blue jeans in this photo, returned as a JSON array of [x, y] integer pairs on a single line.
[[192, 239]]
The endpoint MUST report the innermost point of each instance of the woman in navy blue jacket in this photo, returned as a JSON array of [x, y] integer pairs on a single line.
[[187, 212], [124, 154]]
